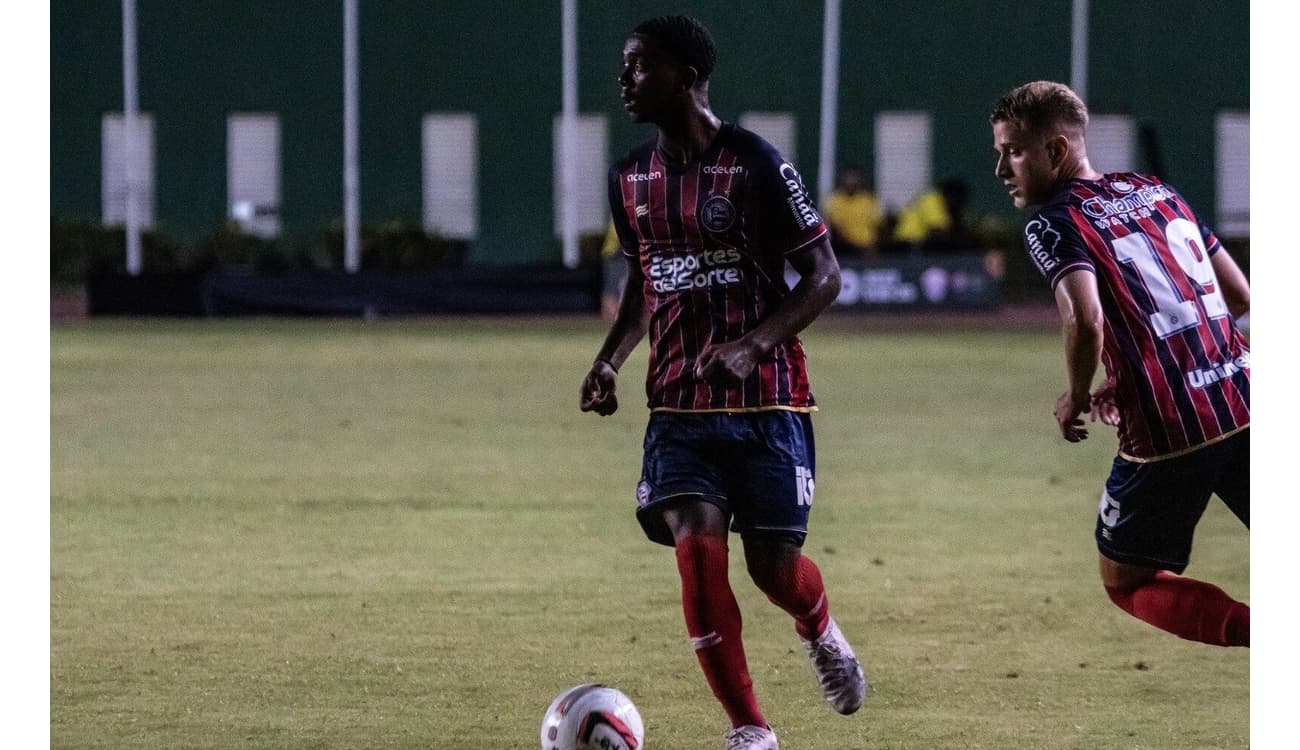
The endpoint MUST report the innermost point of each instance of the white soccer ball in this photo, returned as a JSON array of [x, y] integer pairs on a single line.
[[592, 717]]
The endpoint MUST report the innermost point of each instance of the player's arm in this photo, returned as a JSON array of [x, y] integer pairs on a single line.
[[1105, 407], [597, 393], [819, 284], [1079, 306], [1232, 283]]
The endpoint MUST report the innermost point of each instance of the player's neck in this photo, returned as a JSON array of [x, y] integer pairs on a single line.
[[1080, 169], [684, 137]]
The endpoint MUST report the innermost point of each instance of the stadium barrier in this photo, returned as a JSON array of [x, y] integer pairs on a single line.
[[909, 283], [469, 290], [941, 282]]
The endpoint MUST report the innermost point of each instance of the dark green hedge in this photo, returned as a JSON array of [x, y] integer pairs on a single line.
[[79, 249]]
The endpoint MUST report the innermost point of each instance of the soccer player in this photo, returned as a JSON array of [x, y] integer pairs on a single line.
[[1147, 289], [707, 214]]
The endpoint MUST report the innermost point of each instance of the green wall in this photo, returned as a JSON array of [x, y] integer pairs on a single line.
[[1172, 64]]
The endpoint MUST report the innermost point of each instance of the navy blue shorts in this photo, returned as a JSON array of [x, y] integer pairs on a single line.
[[1149, 511], [756, 466]]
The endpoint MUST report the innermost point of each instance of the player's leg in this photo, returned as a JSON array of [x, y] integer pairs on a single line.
[[792, 581], [1188, 608], [772, 502], [713, 620], [682, 503], [1148, 515], [1233, 487]]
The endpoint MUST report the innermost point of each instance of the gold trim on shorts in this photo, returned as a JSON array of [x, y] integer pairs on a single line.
[[740, 410]]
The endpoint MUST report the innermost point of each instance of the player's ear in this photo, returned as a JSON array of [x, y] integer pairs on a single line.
[[1058, 148], [690, 77]]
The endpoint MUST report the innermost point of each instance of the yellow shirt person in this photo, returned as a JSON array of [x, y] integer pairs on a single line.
[[936, 218], [855, 218], [853, 213], [926, 214]]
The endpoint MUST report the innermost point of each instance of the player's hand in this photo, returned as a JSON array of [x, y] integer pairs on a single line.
[[730, 362], [1067, 411], [597, 393], [1103, 404]]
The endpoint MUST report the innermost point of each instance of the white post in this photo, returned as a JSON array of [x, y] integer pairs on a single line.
[[830, 100], [351, 148], [568, 131], [1079, 49], [131, 140]]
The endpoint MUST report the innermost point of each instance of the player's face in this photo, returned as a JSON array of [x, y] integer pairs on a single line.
[[1024, 164], [649, 82]]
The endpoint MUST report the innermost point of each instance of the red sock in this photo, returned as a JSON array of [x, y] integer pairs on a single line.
[[1188, 608], [801, 593], [713, 623]]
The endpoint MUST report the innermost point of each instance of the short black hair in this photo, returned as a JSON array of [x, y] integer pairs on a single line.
[[684, 39]]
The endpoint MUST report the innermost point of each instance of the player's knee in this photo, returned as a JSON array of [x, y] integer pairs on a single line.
[[1124, 578], [1121, 597], [697, 551], [772, 569], [694, 517], [1122, 582], [764, 575]]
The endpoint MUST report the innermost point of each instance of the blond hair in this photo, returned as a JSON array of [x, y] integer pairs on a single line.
[[1042, 108]]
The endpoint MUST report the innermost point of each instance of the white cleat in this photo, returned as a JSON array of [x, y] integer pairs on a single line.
[[838, 672], [750, 737]]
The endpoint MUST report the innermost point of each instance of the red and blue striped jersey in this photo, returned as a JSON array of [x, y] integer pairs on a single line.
[[712, 238], [1181, 367]]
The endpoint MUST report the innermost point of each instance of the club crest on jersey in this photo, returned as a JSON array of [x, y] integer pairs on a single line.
[[717, 214]]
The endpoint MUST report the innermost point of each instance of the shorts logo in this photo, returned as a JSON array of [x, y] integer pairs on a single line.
[[803, 484], [643, 493], [1109, 510], [717, 214]]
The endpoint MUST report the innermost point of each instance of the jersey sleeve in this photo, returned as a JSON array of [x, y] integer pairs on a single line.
[[1055, 246], [1212, 244], [790, 220], [618, 214]]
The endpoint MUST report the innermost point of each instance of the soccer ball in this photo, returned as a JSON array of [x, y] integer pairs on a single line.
[[592, 717]]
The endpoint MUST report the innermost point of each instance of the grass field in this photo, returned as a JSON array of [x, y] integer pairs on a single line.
[[270, 534]]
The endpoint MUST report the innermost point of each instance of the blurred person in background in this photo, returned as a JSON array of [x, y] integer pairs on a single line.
[[613, 274], [1145, 288], [936, 219], [853, 215], [707, 214]]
